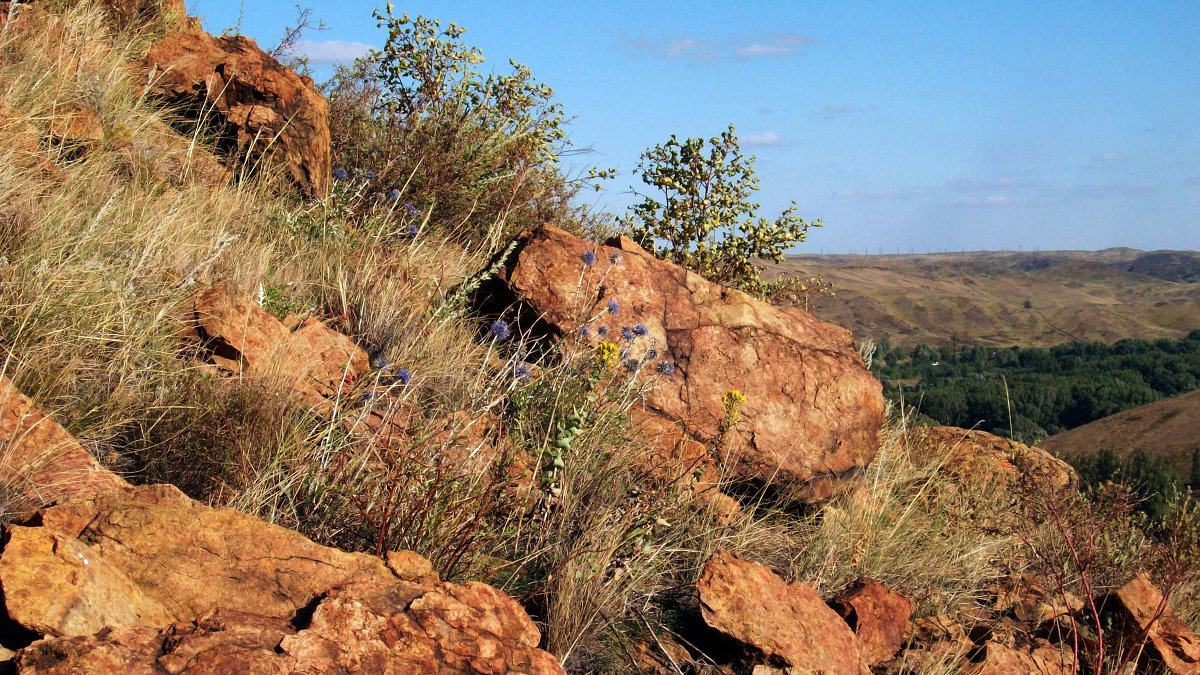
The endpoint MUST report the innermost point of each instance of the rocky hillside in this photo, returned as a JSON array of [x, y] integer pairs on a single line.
[[261, 412], [1007, 298]]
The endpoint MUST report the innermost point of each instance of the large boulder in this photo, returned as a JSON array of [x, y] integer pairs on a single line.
[[261, 109], [812, 409], [787, 624], [39, 461]]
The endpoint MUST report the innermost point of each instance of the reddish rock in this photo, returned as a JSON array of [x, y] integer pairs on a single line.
[[39, 461], [1038, 658], [260, 107], [788, 623], [989, 459], [192, 558], [1139, 609], [812, 409], [878, 617], [315, 361], [56, 585]]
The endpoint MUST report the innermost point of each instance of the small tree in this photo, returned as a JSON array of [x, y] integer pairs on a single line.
[[705, 220]]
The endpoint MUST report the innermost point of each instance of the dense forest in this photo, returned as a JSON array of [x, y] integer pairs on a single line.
[[1050, 390]]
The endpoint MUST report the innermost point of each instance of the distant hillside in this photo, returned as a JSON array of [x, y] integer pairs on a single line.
[[1168, 429], [1008, 298]]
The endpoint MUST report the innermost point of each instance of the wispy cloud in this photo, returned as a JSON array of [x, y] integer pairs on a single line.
[[330, 51], [1109, 157], [1111, 189], [769, 138], [833, 112], [695, 48]]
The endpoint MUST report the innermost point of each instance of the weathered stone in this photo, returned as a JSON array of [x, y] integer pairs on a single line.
[[812, 409], [56, 585], [984, 458], [790, 623], [1140, 610], [262, 108], [1039, 658], [392, 628], [39, 461], [192, 558], [878, 616], [316, 362]]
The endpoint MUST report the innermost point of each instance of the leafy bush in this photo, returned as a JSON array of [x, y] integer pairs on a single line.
[[419, 121], [706, 221]]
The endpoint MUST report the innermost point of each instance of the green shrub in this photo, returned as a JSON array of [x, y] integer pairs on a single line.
[[707, 222], [419, 124]]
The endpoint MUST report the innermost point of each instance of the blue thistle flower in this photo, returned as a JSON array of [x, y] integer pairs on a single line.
[[500, 329], [521, 372], [602, 331], [368, 396], [640, 330], [614, 258], [585, 331], [393, 194], [413, 230], [588, 257], [627, 333], [410, 209], [371, 175], [631, 364], [379, 362], [403, 376], [666, 368], [613, 307], [651, 354], [340, 174]]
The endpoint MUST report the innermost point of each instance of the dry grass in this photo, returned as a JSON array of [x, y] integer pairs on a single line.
[[101, 253]]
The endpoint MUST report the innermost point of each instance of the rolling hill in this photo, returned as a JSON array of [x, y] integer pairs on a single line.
[[1168, 429], [1007, 298]]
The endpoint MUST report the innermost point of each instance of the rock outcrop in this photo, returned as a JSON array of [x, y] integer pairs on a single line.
[[39, 461], [812, 409], [788, 624], [264, 111], [148, 579], [981, 457]]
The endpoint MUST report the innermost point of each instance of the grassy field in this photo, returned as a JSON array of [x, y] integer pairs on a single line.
[[1006, 298]]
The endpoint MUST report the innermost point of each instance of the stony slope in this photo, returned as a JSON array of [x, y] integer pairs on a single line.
[[980, 297]]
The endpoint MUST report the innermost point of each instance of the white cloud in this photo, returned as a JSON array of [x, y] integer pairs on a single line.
[[1109, 157], [330, 51], [763, 139], [693, 48]]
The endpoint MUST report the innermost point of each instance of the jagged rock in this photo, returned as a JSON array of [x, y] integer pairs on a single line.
[[812, 409], [985, 458], [315, 361], [143, 579], [262, 108], [39, 461], [878, 616], [1039, 658], [1139, 609], [192, 558], [372, 628], [788, 624], [56, 585], [1032, 603]]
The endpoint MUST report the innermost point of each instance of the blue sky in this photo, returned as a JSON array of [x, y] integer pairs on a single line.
[[927, 127]]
